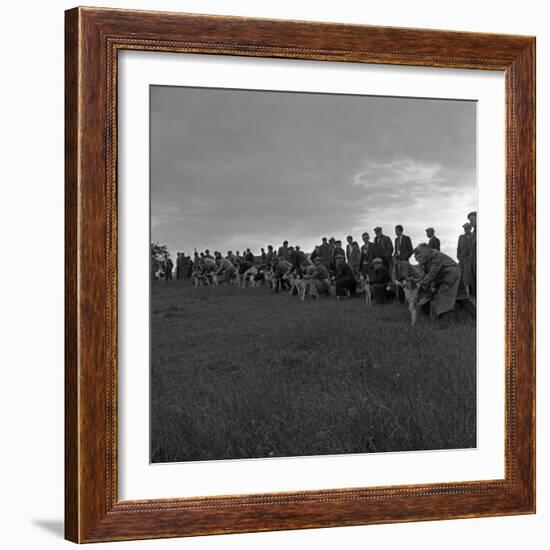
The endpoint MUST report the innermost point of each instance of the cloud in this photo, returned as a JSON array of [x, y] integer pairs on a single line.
[[233, 169]]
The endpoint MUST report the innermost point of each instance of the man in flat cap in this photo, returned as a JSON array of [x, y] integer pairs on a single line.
[[379, 279], [465, 252], [383, 247], [433, 241]]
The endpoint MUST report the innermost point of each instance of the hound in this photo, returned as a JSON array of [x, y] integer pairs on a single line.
[[365, 284], [410, 289]]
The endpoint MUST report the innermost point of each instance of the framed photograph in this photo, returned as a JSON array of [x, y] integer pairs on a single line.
[[300, 275]]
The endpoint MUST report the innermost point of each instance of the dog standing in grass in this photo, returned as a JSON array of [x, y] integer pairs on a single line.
[[411, 288]]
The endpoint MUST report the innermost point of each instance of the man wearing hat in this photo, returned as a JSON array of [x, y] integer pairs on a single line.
[[383, 247], [433, 241], [465, 252], [379, 278], [472, 218], [344, 279]]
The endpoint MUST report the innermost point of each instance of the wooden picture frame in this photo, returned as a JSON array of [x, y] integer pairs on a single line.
[[93, 39]]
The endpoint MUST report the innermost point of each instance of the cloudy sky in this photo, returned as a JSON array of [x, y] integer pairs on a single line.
[[232, 169]]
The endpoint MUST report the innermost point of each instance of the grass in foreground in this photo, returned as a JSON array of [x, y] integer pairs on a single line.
[[241, 373]]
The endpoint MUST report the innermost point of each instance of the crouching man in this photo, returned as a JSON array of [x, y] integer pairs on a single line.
[[344, 279], [379, 279], [317, 279], [226, 270], [440, 282]]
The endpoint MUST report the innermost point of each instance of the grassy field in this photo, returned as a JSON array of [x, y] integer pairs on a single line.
[[239, 373]]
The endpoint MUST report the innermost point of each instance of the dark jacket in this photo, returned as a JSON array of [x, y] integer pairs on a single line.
[[338, 252], [465, 248], [434, 243], [405, 250], [324, 252], [344, 272], [384, 247], [348, 251], [249, 257], [355, 259], [379, 276], [283, 252], [368, 253]]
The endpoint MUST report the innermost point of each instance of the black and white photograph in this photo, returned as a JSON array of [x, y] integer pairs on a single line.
[[313, 274]]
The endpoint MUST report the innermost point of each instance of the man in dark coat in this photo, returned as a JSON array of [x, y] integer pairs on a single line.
[[338, 251], [355, 258], [269, 255], [349, 244], [344, 279], [325, 253], [179, 266], [368, 253], [433, 241], [383, 247], [187, 267], [298, 261], [379, 278], [168, 266], [248, 256], [403, 245], [283, 251], [472, 218], [465, 255]]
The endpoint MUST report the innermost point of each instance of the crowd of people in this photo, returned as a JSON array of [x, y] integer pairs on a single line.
[[382, 263]]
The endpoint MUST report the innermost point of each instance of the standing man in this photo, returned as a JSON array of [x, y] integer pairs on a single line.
[[403, 245], [298, 260], [187, 267], [269, 255], [338, 251], [465, 255], [344, 279], [332, 244], [355, 259], [283, 251], [325, 253], [263, 256], [349, 241], [179, 266], [383, 247], [231, 257], [368, 253], [168, 266], [472, 218], [248, 256], [433, 241]]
